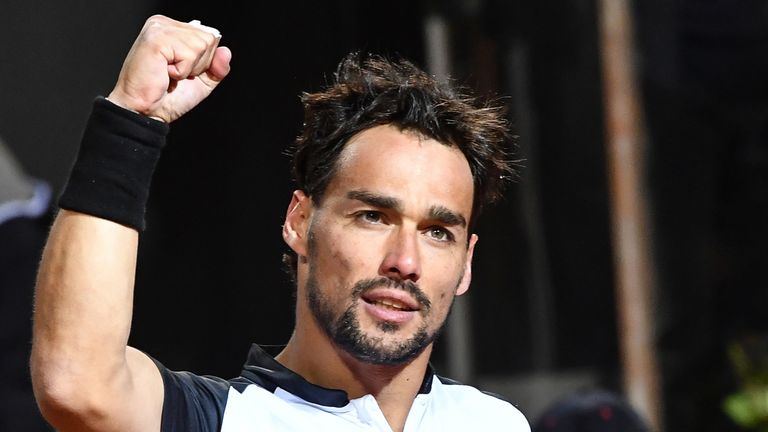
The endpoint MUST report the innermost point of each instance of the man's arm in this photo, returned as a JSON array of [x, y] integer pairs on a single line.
[[84, 375]]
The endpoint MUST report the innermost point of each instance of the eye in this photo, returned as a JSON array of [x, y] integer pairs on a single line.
[[440, 234], [370, 216]]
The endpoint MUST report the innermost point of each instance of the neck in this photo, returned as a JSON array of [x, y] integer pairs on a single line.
[[313, 356]]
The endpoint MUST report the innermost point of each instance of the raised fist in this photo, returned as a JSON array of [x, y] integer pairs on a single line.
[[171, 67]]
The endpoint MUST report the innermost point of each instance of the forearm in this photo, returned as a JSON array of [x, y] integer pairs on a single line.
[[84, 375], [83, 304], [85, 284]]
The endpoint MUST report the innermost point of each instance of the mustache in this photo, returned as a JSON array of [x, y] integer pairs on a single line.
[[410, 287]]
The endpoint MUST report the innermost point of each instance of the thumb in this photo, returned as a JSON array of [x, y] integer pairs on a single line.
[[219, 67]]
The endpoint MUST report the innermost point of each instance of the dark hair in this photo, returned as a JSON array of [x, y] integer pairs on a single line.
[[372, 90]]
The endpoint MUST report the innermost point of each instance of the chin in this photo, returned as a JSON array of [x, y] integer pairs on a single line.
[[382, 346], [385, 357]]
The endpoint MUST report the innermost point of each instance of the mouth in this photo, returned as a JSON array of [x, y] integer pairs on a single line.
[[390, 305], [390, 298]]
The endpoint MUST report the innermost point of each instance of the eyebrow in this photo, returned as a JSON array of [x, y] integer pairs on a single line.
[[447, 216], [440, 213], [375, 199]]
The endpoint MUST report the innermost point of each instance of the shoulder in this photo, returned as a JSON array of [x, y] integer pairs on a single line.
[[487, 408], [192, 402]]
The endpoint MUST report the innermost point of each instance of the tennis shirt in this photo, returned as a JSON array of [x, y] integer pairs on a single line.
[[269, 397]]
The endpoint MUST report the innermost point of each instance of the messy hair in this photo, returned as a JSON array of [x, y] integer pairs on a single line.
[[370, 90]]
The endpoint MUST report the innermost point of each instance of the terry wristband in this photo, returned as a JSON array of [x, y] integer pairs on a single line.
[[113, 170]]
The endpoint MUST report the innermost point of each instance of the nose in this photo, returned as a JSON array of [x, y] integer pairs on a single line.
[[401, 260]]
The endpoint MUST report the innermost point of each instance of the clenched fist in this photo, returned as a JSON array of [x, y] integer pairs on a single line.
[[171, 67]]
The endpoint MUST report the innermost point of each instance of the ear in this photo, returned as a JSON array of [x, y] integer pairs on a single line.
[[467, 278], [295, 228]]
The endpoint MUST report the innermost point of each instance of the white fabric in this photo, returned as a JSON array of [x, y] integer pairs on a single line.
[[445, 408]]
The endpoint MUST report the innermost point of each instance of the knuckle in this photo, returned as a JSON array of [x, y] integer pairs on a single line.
[[154, 21], [200, 44], [152, 37], [196, 44], [157, 18], [153, 30]]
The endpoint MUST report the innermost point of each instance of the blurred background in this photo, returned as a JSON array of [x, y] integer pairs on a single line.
[[543, 317]]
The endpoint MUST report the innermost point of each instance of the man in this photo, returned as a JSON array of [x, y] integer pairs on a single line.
[[392, 170]]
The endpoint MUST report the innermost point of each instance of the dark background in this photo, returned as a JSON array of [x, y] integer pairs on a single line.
[[210, 279]]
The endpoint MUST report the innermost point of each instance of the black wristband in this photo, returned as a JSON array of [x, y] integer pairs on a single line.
[[111, 176]]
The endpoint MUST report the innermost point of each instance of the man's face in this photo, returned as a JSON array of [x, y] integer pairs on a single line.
[[388, 250]]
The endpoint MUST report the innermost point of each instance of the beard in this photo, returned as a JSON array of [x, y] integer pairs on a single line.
[[345, 330]]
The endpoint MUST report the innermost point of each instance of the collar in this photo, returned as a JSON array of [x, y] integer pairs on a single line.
[[262, 369]]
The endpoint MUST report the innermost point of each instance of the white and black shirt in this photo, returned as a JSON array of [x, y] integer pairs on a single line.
[[269, 397]]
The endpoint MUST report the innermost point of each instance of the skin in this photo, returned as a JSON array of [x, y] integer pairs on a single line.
[[84, 375], [357, 238]]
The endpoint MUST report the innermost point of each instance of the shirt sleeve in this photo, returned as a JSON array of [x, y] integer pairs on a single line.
[[192, 402]]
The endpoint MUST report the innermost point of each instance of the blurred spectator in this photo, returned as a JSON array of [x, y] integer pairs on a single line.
[[590, 410], [24, 219]]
